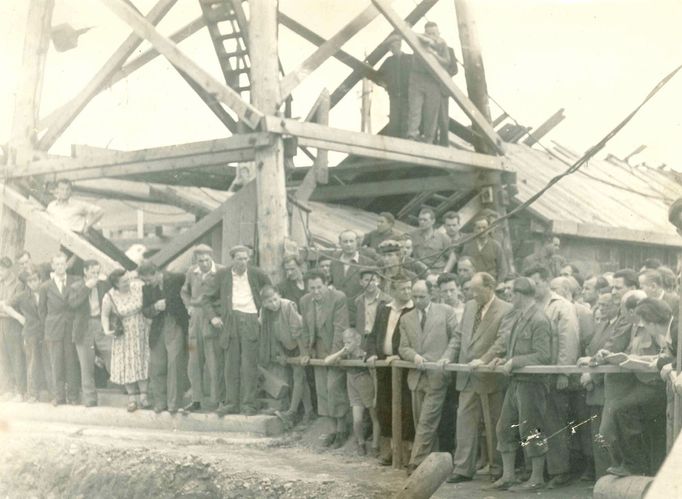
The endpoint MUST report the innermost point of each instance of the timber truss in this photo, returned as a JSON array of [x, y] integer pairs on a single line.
[[377, 165]]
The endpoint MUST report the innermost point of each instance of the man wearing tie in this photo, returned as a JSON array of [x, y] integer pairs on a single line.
[[58, 318], [427, 334]]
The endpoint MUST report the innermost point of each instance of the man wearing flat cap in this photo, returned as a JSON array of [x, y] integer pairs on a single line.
[[392, 264], [233, 308]]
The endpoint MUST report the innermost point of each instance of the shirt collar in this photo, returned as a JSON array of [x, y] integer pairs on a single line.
[[397, 308], [239, 276], [355, 258], [212, 270]]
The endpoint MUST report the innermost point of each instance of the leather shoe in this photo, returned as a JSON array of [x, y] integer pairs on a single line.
[[619, 470], [91, 403], [559, 480], [159, 409], [386, 460], [193, 407], [224, 410], [329, 440], [410, 469], [456, 478], [528, 486], [500, 484]]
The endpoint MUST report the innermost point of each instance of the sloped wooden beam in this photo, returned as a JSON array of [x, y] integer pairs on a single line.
[[489, 134], [75, 106], [326, 50], [237, 148], [380, 51], [385, 188], [383, 147], [245, 111], [37, 217]]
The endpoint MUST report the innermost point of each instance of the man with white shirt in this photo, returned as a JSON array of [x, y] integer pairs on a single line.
[[233, 310]]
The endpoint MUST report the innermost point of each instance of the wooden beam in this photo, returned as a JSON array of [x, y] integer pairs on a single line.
[[380, 51], [212, 103], [239, 221], [326, 50], [489, 134], [76, 105], [36, 215], [342, 56], [383, 147], [170, 195], [546, 127], [469, 211], [185, 32], [385, 188], [237, 148], [246, 112]]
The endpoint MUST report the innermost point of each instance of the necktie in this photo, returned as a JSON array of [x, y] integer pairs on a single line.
[[477, 318], [423, 320]]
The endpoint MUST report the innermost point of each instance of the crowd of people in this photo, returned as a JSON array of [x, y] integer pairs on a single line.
[[242, 345]]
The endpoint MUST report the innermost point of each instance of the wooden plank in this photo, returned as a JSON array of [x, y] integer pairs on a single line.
[[76, 105], [397, 417], [246, 112], [342, 56], [489, 133], [326, 50], [386, 188], [378, 53], [36, 215], [383, 147], [239, 221], [545, 128], [469, 211], [212, 103], [237, 148], [595, 231]]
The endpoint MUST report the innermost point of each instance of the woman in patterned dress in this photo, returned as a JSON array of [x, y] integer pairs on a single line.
[[129, 351]]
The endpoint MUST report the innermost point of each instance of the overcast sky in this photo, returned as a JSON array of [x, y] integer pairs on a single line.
[[595, 58]]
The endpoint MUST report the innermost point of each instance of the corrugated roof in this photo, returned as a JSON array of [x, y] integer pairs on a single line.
[[605, 199]]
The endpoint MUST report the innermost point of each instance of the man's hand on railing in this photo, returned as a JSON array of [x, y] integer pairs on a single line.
[[561, 382], [391, 358], [419, 361], [442, 363], [600, 357], [584, 361], [476, 363], [507, 368], [372, 360], [304, 360], [496, 362], [586, 381]]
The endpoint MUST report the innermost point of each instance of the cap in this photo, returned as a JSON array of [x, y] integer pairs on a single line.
[[238, 248], [368, 270], [388, 246], [524, 286]]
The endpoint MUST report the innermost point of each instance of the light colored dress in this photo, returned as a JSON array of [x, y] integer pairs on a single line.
[[129, 352]]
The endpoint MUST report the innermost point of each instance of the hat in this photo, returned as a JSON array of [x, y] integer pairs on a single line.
[[368, 270], [388, 246], [238, 248], [524, 286]]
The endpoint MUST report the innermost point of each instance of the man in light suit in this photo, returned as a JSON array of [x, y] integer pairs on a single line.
[[480, 327], [427, 334], [325, 318]]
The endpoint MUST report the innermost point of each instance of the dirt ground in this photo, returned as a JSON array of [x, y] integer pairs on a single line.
[[49, 460]]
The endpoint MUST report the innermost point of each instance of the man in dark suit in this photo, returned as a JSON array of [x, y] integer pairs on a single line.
[[486, 253], [345, 270], [427, 334], [162, 303], [58, 318], [383, 344], [234, 311], [477, 332], [525, 401], [325, 318], [85, 299]]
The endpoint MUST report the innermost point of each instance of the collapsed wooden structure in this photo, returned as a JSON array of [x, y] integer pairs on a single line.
[[258, 129]]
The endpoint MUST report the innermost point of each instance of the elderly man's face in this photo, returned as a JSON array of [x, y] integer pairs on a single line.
[[479, 292], [420, 295], [607, 305], [348, 242], [205, 262], [465, 270]]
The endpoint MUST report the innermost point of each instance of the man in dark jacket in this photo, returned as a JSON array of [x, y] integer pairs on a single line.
[[233, 309], [162, 303]]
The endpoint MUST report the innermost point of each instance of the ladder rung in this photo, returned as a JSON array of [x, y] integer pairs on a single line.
[[230, 36]]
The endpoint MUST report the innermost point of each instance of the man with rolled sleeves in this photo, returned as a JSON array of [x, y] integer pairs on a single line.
[[325, 318], [233, 309], [202, 342], [482, 324], [525, 401]]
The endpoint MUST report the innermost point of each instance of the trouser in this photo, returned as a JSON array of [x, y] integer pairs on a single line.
[[444, 121], [86, 350], [581, 440], [427, 407], [448, 420], [46, 369], [630, 408], [424, 106], [12, 360], [469, 415], [599, 452], [522, 414], [384, 395], [63, 369], [166, 362], [203, 351], [241, 361], [556, 417], [33, 348], [397, 117]]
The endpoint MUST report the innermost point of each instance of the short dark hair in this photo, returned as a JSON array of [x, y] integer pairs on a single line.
[[540, 270], [426, 209], [445, 278], [292, 258], [324, 258], [398, 279], [91, 263], [65, 181], [147, 267], [6, 262], [652, 263], [115, 277], [653, 276], [267, 290], [654, 311], [668, 278], [388, 216], [450, 215], [602, 284], [28, 273], [430, 24], [314, 274], [629, 277]]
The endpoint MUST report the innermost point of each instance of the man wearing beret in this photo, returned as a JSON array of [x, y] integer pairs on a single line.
[[233, 309]]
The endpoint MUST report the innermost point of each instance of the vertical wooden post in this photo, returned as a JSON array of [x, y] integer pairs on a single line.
[[25, 120], [677, 400], [265, 94], [366, 118], [322, 158], [396, 417]]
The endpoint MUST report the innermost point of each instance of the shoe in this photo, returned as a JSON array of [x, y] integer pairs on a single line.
[[410, 469], [308, 418], [339, 440], [559, 480], [249, 411], [329, 440], [91, 403], [619, 470], [361, 448], [144, 403], [500, 484], [457, 478], [173, 410], [193, 407], [57, 402], [285, 418], [132, 406], [224, 410], [528, 486], [374, 452], [587, 476], [386, 460], [159, 409]]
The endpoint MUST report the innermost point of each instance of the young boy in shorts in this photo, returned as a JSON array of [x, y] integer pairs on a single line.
[[360, 387]]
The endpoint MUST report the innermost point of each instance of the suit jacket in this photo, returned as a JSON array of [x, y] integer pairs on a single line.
[[349, 282], [529, 341], [25, 303], [360, 309], [79, 302], [602, 332], [375, 341], [54, 309], [172, 285], [565, 330], [472, 344], [435, 342], [327, 337]]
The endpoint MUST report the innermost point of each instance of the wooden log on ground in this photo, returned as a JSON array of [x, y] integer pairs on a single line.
[[427, 478], [396, 417], [628, 487]]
